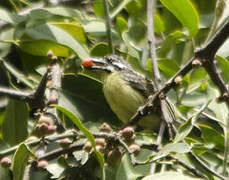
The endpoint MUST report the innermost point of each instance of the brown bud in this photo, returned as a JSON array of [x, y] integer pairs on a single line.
[[50, 53], [52, 100], [54, 58], [42, 164], [65, 143], [100, 141], [87, 146], [31, 138], [100, 148], [114, 156], [127, 132], [44, 119], [43, 128], [51, 129], [105, 128], [5, 162], [178, 80], [196, 63], [135, 148], [49, 84]]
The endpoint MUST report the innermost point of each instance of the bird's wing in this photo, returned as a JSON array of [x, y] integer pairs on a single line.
[[139, 82]]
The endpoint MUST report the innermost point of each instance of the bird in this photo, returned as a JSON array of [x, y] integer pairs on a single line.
[[125, 89]]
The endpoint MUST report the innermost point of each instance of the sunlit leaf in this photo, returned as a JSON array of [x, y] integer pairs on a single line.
[[185, 12], [85, 131]]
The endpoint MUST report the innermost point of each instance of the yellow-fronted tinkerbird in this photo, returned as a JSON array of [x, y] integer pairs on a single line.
[[124, 88]]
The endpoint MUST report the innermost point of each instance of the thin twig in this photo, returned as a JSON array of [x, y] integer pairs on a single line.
[[20, 95], [157, 78], [60, 151], [195, 171], [32, 143]]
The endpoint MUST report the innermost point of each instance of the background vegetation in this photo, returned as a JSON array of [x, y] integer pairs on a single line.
[[194, 79]]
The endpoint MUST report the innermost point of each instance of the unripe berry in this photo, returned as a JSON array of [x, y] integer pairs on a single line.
[[105, 128], [135, 148], [44, 119], [87, 146], [65, 143], [5, 162], [51, 129], [42, 164], [128, 134], [100, 141], [114, 156], [100, 148]]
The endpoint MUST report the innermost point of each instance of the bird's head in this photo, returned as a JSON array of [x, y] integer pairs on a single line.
[[108, 64]]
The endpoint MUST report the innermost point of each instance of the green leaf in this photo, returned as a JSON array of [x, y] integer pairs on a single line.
[[220, 109], [169, 175], [66, 12], [14, 126], [198, 77], [85, 131], [119, 8], [86, 99], [20, 161], [56, 34], [95, 27], [121, 24], [224, 66], [10, 17], [211, 136], [5, 173], [98, 8], [133, 50], [185, 12], [168, 66], [43, 46], [186, 127], [176, 148], [159, 26], [100, 50], [127, 171], [19, 75], [75, 29], [169, 43]]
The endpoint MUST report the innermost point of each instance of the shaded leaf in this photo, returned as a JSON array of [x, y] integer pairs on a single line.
[[20, 161], [100, 50], [211, 136], [56, 34], [186, 127], [176, 148], [14, 126], [224, 66], [10, 17], [121, 24]]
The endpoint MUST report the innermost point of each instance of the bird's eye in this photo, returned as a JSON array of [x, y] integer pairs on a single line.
[[109, 59]]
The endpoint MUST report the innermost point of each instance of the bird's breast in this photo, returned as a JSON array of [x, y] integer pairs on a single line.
[[124, 100], [121, 97]]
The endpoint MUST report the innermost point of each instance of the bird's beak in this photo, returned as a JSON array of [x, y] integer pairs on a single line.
[[94, 63], [90, 62]]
